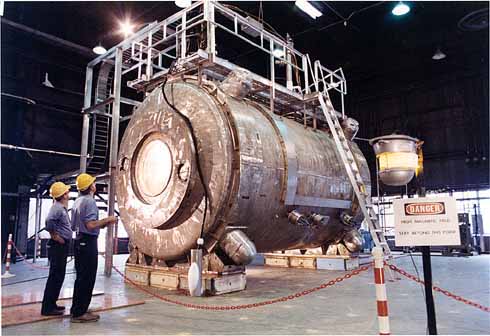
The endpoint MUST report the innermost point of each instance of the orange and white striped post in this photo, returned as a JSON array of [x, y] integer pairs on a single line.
[[7, 273], [382, 300]]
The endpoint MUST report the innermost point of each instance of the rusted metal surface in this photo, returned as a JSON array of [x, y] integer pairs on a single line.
[[258, 167]]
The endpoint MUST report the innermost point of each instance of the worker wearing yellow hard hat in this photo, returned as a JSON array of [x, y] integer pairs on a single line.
[[58, 189], [59, 228], [85, 221], [84, 181]]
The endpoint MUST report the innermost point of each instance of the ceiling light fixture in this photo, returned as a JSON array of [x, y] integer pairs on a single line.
[[308, 8], [183, 3], [400, 9], [438, 55], [99, 49], [126, 28]]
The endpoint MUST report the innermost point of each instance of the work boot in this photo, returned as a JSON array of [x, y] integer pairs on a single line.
[[85, 318], [97, 316], [54, 312]]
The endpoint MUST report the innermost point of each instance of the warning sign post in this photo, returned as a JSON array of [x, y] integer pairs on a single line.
[[426, 222]]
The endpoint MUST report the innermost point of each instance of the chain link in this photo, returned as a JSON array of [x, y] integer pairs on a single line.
[[440, 290], [249, 305], [24, 260]]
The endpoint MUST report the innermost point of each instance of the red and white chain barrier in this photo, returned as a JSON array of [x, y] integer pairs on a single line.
[[25, 261], [440, 290], [381, 298], [244, 306], [299, 294], [7, 273]]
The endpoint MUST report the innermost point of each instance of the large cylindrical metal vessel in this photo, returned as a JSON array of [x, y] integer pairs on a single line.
[[282, 184]]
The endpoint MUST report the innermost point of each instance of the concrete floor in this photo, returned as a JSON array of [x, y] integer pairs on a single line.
[[346, 308]]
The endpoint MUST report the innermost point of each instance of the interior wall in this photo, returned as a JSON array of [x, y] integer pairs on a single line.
[[448, 111], [37, 116]]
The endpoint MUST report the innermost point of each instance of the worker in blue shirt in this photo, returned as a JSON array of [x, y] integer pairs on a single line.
[[58, 226], [85, 222]]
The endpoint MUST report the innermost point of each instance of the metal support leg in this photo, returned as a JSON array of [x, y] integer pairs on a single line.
[[109, 241], [273, 76], [305, 73], [116, 240], [37, 226], [289, 67], [210, 29], [86, 119]]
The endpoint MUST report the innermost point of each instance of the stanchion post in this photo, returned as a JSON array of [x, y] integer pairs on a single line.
[[37, 225], [7, 273], [38, 248], [382, 300]]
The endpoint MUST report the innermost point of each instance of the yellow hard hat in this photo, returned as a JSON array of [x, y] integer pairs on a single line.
[[58, 189], [84, 181]]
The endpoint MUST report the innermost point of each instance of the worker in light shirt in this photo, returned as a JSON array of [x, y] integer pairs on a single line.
[[85, 222], [59, 228]]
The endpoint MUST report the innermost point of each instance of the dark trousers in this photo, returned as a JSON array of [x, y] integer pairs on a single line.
[[86, 255], [57, 254]]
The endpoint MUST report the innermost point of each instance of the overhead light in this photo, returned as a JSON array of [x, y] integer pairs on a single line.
[[99, 49], [438, 55], [308, 8], [126, 28], [400, 9], [183, 3], [278, 52]]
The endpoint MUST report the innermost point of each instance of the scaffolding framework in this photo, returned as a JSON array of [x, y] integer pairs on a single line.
[[143, 61]]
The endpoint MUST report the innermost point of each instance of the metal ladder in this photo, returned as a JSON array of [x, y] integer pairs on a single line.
[[101, 123], [350, 164]]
